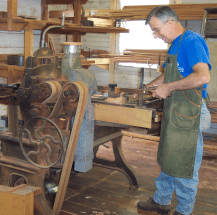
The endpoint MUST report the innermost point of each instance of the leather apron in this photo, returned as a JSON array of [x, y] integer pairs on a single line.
[[180, 125]]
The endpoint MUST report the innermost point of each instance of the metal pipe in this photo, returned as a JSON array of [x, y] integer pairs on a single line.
[[51, 27]]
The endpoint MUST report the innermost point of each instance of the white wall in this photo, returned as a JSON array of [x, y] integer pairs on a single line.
[[13, 42], [97, 41], [28, 8]]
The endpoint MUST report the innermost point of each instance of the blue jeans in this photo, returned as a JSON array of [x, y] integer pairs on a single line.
[[185, 188]]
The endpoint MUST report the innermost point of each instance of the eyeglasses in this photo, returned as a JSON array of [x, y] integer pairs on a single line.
[[156, 30]]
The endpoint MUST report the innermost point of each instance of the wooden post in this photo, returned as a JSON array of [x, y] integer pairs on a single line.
[[44, 10], [12, 13], [28, 43], [77, 19], [113, 6]]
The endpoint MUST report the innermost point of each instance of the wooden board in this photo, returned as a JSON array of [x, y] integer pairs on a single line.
[[63, 1], [140, 12], [17, 200], [123, 115]]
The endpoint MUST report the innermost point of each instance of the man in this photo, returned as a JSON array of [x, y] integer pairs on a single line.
[[182, 87]]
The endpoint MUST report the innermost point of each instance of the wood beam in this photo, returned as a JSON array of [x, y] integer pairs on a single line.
[[64, 1], [28, 43], [113, 6], [77, 18], [12, 13]]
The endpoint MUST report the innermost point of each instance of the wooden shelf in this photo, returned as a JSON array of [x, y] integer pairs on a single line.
[[71, 28], [19, 24], [12, 73], [64, 1], [15, 73], [184, 11]]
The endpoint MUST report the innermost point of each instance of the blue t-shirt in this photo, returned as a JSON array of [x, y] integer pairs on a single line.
[[192, 50]]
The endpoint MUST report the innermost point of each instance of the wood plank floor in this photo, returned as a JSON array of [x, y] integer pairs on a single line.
[[102, 191]]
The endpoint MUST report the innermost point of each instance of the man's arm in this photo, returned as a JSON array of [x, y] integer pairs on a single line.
[[199, 77], [156, 81]]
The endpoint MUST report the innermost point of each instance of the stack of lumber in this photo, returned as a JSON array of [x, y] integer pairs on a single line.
[[213, 111], [184, 11], [94, 53], [140, 56]]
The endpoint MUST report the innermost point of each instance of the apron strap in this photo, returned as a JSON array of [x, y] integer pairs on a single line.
[[180, 41]]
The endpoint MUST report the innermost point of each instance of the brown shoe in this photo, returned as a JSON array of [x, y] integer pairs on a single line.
[[151, 205]]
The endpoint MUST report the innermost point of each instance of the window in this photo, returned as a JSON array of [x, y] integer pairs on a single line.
[[140, 36]]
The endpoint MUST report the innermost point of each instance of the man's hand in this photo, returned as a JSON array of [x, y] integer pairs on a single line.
[[162, 91]]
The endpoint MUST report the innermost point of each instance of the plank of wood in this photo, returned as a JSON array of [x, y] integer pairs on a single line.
[[184, 11], [102, 22], [21, 197], [142, 136], [69, 28], [99, 60], [64, 1], [123, 115]]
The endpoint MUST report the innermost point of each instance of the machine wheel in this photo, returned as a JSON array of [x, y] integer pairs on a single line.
[[45, 139]]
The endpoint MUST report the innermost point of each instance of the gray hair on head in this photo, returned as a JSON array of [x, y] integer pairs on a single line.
[[162, 13]]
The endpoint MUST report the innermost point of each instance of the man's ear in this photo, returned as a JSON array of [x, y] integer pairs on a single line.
[[170, 21]]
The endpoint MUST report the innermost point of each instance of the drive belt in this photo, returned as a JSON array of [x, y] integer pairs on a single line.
[[69, 158]]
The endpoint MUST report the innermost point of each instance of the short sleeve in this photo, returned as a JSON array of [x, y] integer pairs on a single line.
[[197, 52]]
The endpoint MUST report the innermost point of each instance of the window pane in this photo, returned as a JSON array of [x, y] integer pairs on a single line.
[[140, 35]]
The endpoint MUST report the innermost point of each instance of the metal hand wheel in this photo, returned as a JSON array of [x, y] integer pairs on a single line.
[[44, 143]]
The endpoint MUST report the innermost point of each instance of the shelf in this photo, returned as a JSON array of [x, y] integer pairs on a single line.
[[15, 73], [71, 28], [184, 11], [19, 24], [63, 1]]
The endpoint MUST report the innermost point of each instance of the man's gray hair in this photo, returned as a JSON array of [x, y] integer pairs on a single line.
[[162, 13]]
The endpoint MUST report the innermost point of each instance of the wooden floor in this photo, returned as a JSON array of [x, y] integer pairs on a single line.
[[102, 191]]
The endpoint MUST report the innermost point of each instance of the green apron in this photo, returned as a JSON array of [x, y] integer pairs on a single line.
[[180, 125]]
